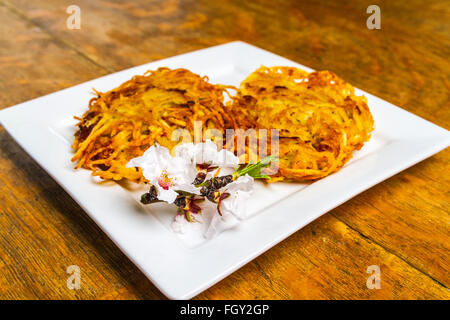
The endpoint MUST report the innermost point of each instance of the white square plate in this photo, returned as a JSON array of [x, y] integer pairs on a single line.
[[182, 269]]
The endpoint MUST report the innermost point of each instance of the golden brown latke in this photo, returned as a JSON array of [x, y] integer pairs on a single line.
[[319, 118], [122, 123]]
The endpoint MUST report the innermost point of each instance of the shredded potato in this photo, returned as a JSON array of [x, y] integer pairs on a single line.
[[122, 123], [319, 118]]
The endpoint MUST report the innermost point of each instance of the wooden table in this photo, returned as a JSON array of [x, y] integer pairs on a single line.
[[401, 225]]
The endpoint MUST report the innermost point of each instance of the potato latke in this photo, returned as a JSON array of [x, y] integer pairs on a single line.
[[122, 123], [319, 118]]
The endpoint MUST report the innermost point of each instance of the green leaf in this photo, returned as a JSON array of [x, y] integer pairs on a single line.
[[254, 170]]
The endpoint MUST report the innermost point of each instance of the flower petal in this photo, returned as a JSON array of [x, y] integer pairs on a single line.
[[206, 152], [168, 195]]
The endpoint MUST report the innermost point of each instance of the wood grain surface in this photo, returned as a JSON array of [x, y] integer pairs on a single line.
[[401, 225]]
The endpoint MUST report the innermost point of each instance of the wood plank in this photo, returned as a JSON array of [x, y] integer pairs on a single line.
[[124, 34], [411, 222], [326, 260], [33, 64]]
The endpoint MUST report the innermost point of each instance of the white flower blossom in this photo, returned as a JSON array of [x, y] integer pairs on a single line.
[[171, 174], [206, 152], [168, 174]]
